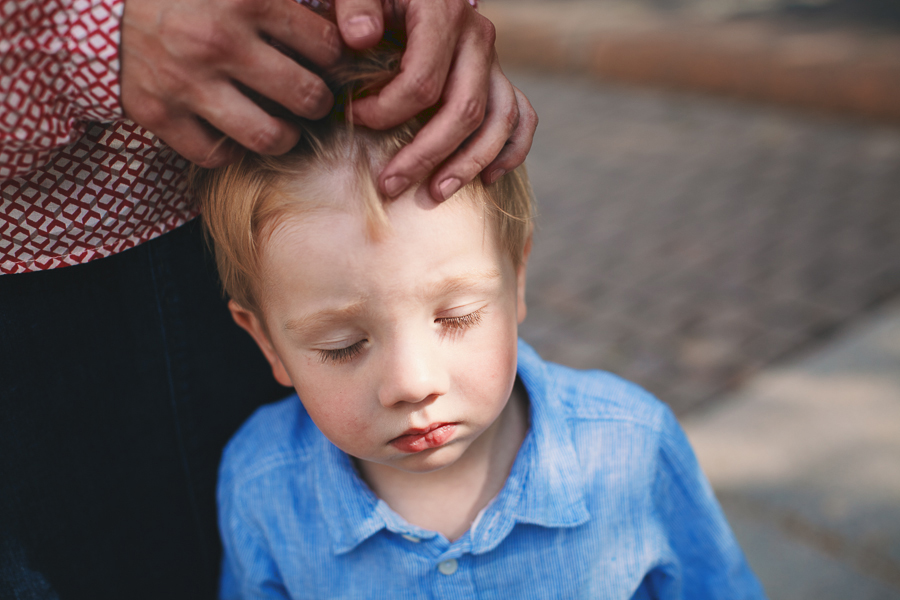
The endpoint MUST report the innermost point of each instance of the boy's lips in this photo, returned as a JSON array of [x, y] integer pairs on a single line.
[[416, 440]]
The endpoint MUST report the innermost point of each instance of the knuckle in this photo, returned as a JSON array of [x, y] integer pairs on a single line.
[[475, 165], [528, 118], [313, 99], [426, 90], [423, 164], [533, 121], [512, 118], [173, 81], [216, 45], [265, 139], [210, 44], [471, 113], [195, 40], [331, 41], [514, 155], [152, 115], [488, 32], [457, 10]]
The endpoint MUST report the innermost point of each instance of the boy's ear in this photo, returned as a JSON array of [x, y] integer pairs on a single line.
[[521, 309], [252, 325]]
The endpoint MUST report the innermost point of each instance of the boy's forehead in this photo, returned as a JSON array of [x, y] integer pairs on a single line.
[[320, 186], [342, 189], [338, 207], [338, 230]]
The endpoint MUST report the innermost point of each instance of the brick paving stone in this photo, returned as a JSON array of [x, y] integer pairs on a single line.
[[684, 242]]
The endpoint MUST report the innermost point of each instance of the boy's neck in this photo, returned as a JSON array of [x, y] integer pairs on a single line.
[[448, 500]]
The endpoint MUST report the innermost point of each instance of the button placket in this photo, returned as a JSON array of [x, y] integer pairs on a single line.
[[448, 567]]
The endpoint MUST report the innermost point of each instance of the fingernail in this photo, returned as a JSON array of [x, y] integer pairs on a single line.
[[359, 27], [495, 175], [449, 187], [394, 185]]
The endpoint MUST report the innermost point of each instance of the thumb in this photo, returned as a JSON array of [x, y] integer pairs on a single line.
[[361, 22]]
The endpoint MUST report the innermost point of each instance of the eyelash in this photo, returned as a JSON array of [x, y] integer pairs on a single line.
[[341, 355], [450, 324], [455, 324]]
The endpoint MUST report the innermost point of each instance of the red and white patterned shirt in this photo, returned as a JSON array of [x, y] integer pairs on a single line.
[[77, 180]]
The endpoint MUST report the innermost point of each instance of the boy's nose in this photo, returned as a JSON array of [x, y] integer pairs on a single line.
[[413, 371]]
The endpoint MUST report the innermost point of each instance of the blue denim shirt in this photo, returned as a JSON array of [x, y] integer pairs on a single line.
[[605, 500]]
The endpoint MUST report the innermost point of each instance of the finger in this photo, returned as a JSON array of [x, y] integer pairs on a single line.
[[500, 122], [516, 149], [361, 22], [314, 37], [238, 117], [433, 30], [462, 112], [198, 142], [279, 78]]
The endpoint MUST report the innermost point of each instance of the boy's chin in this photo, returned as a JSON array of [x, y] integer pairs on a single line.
[[429, 464], [420, 463]]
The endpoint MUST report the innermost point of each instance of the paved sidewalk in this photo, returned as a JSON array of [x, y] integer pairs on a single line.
[[685, 242], [806, 462]]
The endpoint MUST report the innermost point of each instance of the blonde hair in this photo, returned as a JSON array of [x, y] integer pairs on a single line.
[[241, 202]]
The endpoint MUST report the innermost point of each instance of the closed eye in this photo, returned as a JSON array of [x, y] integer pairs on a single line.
[[341, 355], [461, 323]]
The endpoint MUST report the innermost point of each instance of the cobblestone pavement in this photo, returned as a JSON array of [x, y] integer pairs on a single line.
[[683, 242]]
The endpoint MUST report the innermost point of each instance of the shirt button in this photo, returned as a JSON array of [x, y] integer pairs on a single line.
[[448, 567], [411, 538]]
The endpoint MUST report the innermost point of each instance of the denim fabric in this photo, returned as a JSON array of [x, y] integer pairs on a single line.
[[605, 500], [120, 382]]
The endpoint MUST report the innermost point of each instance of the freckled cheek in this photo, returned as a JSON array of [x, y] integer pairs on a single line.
[[344, 425], [341, 412], [491, 365]]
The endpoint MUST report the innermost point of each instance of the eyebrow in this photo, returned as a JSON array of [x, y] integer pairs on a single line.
[[438, 289], [349, 311], [460, 283]]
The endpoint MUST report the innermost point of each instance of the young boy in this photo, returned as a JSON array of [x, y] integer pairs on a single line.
[[427, 452]]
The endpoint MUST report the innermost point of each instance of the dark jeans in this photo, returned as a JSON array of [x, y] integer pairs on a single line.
[[120, 382]]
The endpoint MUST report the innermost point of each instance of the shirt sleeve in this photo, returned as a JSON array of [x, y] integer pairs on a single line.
[[59, 69], [249, 571], [705, 560]]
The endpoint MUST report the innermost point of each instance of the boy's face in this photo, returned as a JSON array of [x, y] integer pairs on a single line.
[[402, 349]]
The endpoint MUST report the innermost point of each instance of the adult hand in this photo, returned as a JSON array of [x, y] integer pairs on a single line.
[[449, 59], [181, 60]]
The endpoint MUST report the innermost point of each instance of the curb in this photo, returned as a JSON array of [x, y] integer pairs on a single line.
[[847, 71]]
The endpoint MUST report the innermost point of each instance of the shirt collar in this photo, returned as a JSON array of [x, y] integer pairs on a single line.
[[545, 486], [352, 512]]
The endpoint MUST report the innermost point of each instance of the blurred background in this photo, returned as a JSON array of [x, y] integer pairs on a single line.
[[718, 184]]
